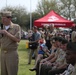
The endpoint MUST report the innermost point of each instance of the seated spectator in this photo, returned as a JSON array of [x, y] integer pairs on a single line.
[[59, 62], [70, 59], [57, 42]]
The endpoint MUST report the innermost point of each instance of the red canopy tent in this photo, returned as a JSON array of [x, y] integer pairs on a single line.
[[53, 18]]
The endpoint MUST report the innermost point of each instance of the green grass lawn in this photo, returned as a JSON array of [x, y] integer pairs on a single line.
[[23, 60]]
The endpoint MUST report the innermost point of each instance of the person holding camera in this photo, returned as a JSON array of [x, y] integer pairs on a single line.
[[34, 43]]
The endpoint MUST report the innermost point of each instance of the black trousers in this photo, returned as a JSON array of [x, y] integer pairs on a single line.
[[47, 70], [44, 69], [56, 71], [37, 68]]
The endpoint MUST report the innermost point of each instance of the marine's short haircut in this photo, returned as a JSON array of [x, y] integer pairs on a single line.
[[64, 41], [57, 38]]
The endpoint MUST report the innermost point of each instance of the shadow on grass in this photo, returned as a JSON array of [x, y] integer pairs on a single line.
[[23, 49]]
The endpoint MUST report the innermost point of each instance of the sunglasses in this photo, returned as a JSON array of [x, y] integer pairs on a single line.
[[9, 16]]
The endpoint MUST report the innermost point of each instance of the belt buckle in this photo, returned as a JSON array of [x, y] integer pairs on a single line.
[[5, 51]]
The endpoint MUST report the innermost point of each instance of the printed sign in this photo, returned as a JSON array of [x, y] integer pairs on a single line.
[[52, 18]]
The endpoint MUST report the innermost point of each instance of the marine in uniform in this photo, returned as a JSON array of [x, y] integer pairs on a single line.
[[71, 59], [11, 35]]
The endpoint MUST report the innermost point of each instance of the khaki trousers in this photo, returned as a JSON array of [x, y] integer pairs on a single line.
[[35, 51], [9, 63]]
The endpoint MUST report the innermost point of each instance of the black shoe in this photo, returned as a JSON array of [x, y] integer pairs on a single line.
[[29, 63], [32, 69]]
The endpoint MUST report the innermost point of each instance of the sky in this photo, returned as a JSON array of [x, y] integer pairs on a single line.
[[24, 3]]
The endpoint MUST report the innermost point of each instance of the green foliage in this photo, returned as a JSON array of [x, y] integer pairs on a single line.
[[23, 60], [20, 15], [45, 6], [35, 16], [68, 8]]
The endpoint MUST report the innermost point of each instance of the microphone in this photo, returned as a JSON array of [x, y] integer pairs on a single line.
[[1, 28]]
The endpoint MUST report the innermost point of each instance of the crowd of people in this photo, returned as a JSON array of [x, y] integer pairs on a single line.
[[55, 51]]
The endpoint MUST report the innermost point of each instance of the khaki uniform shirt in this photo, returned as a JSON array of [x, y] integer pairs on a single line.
[[6, 42], [61, 57]]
